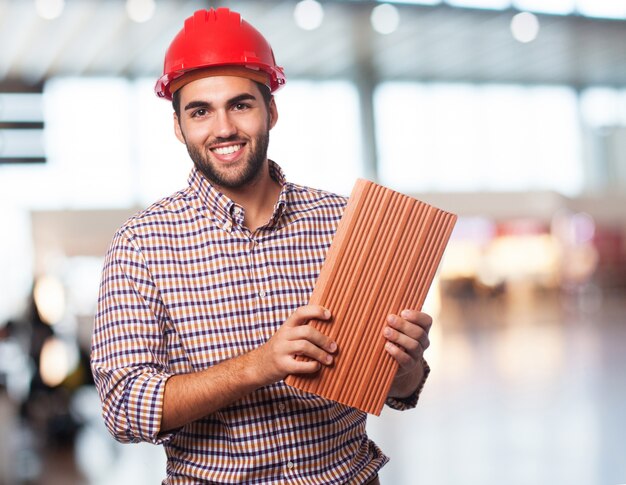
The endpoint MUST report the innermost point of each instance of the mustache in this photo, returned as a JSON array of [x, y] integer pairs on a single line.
[[230, 139]]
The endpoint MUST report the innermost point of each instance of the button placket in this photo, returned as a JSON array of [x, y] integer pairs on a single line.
[[262, 292]]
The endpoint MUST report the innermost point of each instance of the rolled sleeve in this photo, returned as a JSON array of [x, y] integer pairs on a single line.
[[128, 357], [133, 413]]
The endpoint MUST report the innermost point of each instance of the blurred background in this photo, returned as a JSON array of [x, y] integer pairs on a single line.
[[510, 113]]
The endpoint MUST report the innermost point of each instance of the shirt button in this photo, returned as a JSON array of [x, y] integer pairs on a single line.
[[290, 464], [282, 406], [262, 293]]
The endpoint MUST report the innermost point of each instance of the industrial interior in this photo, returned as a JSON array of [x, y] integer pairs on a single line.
[[510, 114]]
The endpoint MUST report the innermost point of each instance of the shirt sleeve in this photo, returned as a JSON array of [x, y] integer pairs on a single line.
[[409, 402], [128, 355]]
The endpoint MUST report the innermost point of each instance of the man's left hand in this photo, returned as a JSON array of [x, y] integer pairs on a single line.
[[407, 339]]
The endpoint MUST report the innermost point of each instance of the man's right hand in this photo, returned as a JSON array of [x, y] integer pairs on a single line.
[[188, 397], [277, 358]]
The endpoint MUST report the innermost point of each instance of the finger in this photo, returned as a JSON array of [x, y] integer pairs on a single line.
[[314, 336], [303, 314], [304, 367], [421, 319], [417, 329], [406, 327], [307, 349], [404, 360], [409, 344]]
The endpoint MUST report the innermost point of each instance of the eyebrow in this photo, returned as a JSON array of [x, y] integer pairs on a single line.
[[230, 102]]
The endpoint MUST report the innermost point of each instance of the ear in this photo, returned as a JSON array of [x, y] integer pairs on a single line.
[[273, 113], [177, 129]]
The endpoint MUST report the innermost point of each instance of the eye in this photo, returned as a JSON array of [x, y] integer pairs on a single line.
[[199, 113], [241, 106]]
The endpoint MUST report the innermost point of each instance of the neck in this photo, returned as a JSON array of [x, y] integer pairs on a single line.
[[257, 198]]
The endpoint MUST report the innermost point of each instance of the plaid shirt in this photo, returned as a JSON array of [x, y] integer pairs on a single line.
[[186, 285]]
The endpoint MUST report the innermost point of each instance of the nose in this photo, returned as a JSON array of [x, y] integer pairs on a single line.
[[224, 126]]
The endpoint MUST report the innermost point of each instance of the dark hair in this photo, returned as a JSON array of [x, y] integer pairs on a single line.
[[265, 92]]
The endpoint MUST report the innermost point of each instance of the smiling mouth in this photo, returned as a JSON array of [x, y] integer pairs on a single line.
[[227, 150]]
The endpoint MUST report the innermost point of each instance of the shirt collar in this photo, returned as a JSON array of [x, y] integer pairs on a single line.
[[279, 208], [223, 209]]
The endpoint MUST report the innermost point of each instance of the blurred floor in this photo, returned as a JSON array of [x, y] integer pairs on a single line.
[[526, 388]]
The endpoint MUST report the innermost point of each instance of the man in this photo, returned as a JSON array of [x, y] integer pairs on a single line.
[[203, 302]]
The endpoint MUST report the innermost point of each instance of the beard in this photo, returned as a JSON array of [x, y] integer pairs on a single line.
[[231, 178]]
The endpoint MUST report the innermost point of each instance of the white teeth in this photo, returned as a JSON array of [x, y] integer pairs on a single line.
[[227, 150]]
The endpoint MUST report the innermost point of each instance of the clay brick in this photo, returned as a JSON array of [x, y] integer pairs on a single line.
[[382, 260]]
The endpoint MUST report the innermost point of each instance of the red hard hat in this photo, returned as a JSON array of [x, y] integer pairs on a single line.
[[214, 38]]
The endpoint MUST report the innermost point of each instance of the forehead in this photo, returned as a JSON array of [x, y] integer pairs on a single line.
[[216, 89]]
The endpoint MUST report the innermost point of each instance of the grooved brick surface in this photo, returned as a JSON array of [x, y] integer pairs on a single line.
[[382, 260]]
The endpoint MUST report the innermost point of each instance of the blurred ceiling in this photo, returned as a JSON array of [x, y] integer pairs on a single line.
[[96, 37]]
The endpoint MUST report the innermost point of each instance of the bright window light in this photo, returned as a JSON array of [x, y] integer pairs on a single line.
[[462, 137], [127, 155], [21, 107], [486, 4], [162, 167], [559, 7], [317, 139], [524, 27], [600, 107], [308, 14], [21, 143], [602, 8], [90, 159]]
